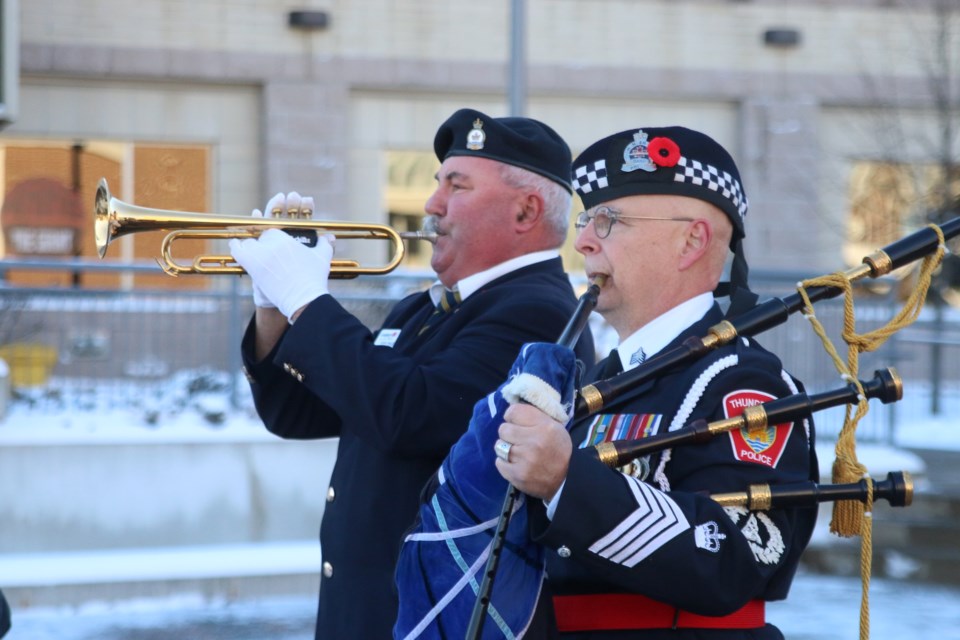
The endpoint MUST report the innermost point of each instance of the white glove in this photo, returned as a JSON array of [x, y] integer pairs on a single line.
[[291, 204], [288, 273]]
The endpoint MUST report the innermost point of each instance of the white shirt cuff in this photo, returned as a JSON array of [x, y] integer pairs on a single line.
[[554, 501]]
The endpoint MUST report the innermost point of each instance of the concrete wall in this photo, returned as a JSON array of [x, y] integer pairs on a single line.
[[151, 490], [308, 110]]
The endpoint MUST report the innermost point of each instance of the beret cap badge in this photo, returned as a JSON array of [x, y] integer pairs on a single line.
[[476, 137], [635, 155]]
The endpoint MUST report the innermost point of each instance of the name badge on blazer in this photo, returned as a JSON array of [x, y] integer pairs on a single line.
[[387, 337]]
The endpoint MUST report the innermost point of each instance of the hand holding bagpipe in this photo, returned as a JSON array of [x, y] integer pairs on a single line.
[[568, 338]]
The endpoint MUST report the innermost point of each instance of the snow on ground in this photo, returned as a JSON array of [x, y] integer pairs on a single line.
[[195, 407], [818, 608], [166, 563]]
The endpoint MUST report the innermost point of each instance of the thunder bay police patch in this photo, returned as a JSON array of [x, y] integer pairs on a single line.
[[760, 446]]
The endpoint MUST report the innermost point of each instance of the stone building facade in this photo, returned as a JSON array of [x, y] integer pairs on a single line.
[[800, 91]]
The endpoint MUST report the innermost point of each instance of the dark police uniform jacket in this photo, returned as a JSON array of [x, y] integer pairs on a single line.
[[397, 410], [661, 536]]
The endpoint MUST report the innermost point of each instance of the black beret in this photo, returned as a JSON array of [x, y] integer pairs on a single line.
[[661, 161], [522, 142]]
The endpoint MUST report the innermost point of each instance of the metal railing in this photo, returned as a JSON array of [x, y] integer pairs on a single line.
[[144, 349]]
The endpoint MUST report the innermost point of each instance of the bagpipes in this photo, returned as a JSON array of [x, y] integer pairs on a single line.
[[886, 386], [897, 489], [767, 315]]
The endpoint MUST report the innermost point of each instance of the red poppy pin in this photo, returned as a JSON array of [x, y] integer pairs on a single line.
[[664, 152]]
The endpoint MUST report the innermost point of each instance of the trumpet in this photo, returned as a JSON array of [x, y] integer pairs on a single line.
[[114, 218]]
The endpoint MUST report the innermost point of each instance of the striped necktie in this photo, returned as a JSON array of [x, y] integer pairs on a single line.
[[448, 302]]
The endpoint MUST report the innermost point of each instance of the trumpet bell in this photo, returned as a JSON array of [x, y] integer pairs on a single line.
[[101, 222]]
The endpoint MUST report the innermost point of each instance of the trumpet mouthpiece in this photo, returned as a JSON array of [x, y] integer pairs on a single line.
[[419, 235]]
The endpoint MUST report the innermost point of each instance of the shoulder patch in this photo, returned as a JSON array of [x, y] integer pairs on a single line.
[[760, 446]]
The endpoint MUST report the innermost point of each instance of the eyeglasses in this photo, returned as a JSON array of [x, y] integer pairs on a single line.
[[604, 217]]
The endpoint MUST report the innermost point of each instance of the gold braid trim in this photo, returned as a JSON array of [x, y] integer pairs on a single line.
[[851, 517]]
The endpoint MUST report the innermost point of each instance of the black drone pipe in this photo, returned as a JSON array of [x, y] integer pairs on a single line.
[[766, 315], [885, 385], [897, 489]]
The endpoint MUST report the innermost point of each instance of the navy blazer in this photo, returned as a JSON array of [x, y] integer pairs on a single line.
[[397, 411], [695, 555]]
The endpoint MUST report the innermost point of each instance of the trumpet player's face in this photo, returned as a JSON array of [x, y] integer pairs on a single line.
[[471, 212]]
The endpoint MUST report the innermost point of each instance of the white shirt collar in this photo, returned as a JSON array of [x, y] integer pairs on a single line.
[[659, 332], [471, 284]]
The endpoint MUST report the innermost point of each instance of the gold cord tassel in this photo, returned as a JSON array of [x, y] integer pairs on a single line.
[[866, 562], [850, 517]]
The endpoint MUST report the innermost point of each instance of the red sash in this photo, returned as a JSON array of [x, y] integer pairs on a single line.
[[623, 611]]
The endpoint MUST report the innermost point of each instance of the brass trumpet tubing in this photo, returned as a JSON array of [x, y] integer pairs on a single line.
[[122, 219], [220, 264], [419, 235]]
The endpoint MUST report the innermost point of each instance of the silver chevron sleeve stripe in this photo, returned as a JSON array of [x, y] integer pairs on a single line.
[[655, 522]]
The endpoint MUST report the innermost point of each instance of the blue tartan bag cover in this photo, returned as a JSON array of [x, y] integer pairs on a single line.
[[443, 557]]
